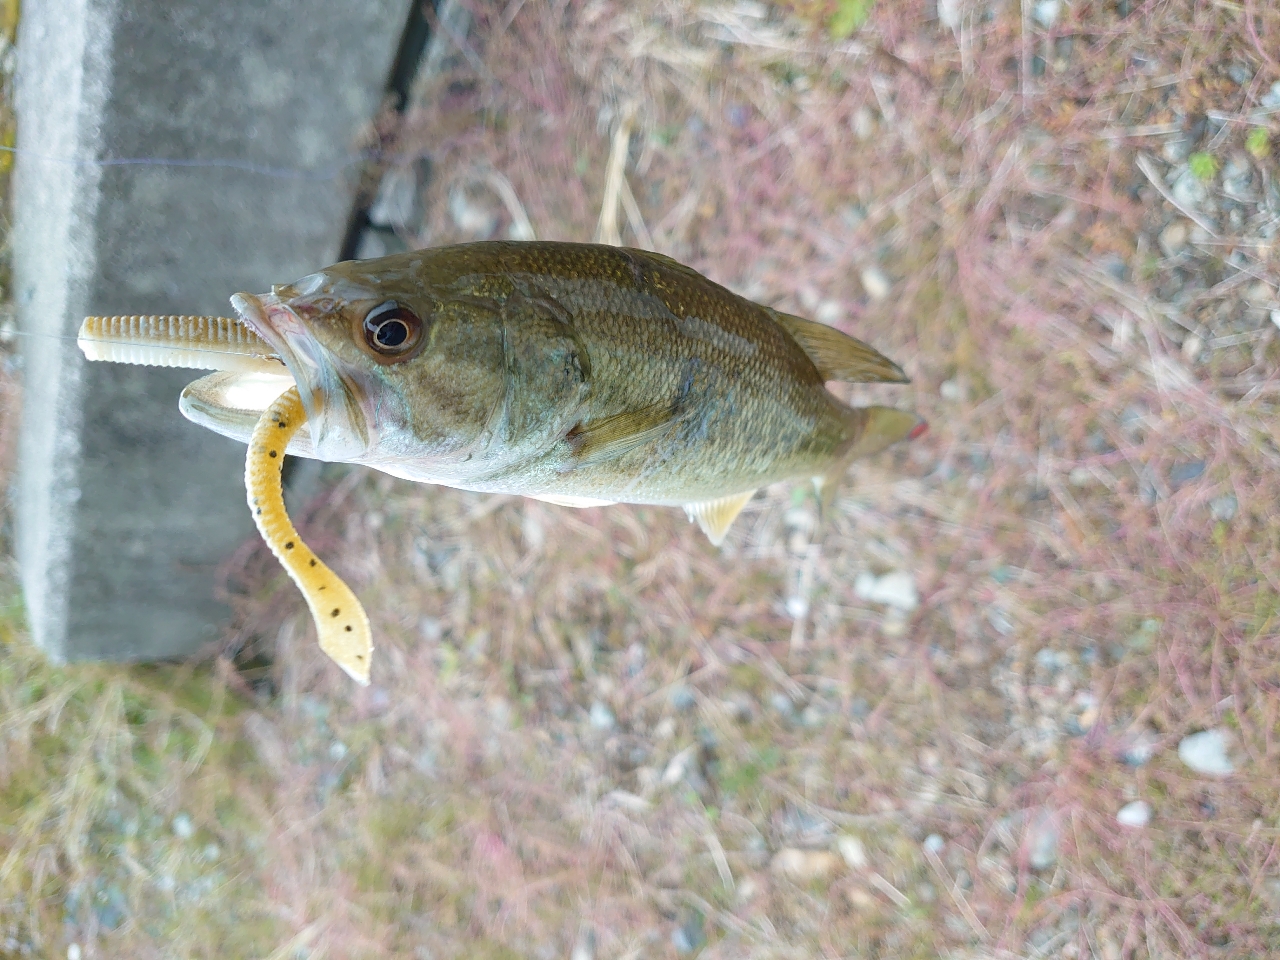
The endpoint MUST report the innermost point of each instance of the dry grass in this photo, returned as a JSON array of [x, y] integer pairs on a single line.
[[593, 730]]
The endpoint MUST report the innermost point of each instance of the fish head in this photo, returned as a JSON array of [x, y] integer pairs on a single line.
[[388, 364]]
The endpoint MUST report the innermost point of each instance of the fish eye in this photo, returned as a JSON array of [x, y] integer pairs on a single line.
[[392, 330]]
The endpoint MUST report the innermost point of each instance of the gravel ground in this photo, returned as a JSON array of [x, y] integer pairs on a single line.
[[1017, 698]]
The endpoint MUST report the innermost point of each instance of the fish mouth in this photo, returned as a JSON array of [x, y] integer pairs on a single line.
[[336, 420]]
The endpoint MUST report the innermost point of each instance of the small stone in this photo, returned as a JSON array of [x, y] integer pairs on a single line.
[[1185, 472], [853, 851], [934, 843], [782, 704], [1237, 178], [681, 698], [1140, 748], [876, 283], [860, 899], [951, 13], [74, 952], [1080, 477], [1084, 713], [1188, 190], [895, 589], [1192, 347], [1042, 848], [1260, 294], [894, 624], [813, 716], [951, 390], [797, 607], [1275, 318], [666, 729], [828, 312], [1135, 815], [1046, 12], [183, 828], [1176, 149], [584, 949], [601, 717], [804, 866], [689, 936], [1239, 73], [1224, 507], [1173, 238], [1271, 98], [680, 766], [210, 852], [1206, 752], [863, 123], [337, 750]]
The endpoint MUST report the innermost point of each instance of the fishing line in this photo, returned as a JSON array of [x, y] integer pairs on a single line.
[[318, 175]]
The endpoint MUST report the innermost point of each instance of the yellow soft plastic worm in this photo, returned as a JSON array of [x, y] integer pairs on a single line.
[[341, 623]]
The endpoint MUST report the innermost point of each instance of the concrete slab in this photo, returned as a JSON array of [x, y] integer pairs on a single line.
[[124, 509]]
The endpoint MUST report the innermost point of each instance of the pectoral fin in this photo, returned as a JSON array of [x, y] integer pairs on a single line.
[[837, 355], [716, 516], [613, 436]]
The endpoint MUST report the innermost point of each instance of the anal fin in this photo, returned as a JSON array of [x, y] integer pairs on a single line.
[[716, 516]]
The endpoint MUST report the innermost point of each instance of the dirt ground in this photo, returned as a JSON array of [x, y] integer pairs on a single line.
[[1019, 698]]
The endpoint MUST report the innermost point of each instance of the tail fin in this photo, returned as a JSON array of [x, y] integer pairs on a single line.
[[873, 430]]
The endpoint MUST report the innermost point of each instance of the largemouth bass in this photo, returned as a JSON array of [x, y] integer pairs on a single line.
[[573, 373], [578, 374]]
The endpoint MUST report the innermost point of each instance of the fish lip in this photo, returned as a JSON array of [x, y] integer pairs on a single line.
[[335, 418]]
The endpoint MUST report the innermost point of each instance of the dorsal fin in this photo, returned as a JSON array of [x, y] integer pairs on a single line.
[[715, 516], [837, 355]]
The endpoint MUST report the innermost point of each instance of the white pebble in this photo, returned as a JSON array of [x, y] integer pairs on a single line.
[[934, 843], [1173, 238], [1206, 752], [1275, 318], [1046, 12], [951, 13], [680, 765], [853, 851], [875, 283], [896, 589], [797, 607], [1136, 814], [183, 828], [1188, 191], [828, 312], [73, 951], [601, 717], [863, 124], [952, 390]]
